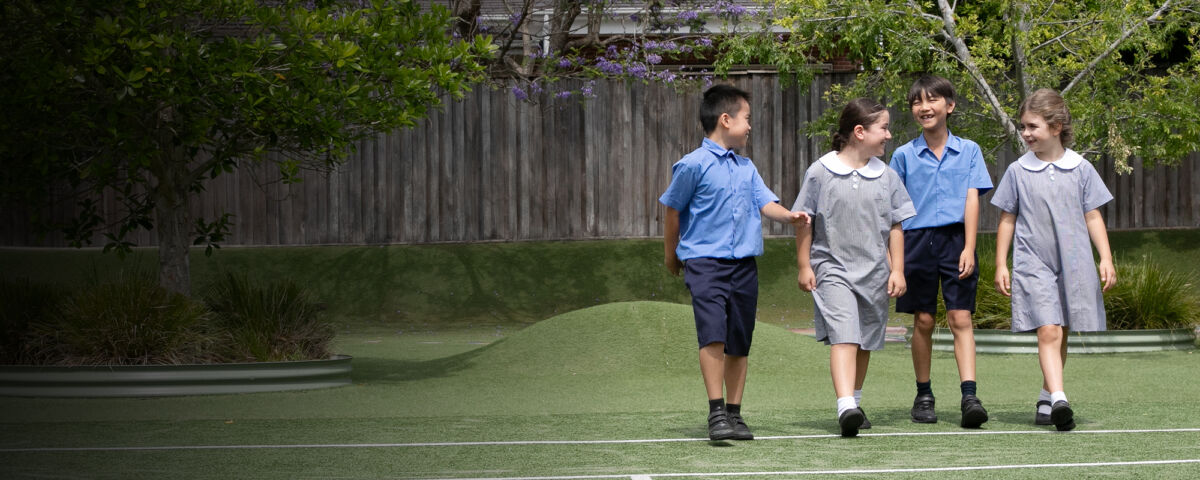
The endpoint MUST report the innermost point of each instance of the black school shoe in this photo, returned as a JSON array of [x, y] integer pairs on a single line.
[[850, 421], [740, 430], [1040, 418], [1062, 416], [973, 413], [922, 411], [719, 427]]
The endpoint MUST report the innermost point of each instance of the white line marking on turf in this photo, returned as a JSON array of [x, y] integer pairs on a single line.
[[640, 477], [861, 471], [577, 442]]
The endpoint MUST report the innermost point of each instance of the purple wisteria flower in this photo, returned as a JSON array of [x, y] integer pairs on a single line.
[[704, 42], [608, 67], [687, 15], [638, 70], [564, 63], [562, 95], [586, 91], [519, 94], [653, 59]]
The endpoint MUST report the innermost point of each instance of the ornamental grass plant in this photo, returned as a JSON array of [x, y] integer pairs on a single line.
[[131, 321], [268, 321], [1146, 296]]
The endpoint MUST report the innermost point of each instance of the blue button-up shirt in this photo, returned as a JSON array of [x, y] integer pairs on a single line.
[[939, 188], [719, 196]]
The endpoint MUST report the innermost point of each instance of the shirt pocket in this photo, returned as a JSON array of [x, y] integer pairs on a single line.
[[957, 180]]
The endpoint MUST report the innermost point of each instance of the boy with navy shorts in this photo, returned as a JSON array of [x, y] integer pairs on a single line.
[[945, 175], [712, 231]]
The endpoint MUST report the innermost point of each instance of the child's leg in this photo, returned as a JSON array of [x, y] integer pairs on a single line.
[[964, 342], [843, 366], [735, 377], [922, 345], [1052, 341], [861, 362], [712, 368], [1062, 349]]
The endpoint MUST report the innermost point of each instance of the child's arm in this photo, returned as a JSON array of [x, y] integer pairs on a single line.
[[806, 279], [966, 260], [1004, 235], [671, 241], [1099, 234], [776, 212], [896, 282]]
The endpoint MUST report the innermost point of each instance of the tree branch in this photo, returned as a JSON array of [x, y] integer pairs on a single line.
[[963, 54], [1113, 47]]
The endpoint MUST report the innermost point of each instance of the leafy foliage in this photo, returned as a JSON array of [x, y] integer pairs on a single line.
[[1130, 70], [269, 322], [151, 99], [22, 305]]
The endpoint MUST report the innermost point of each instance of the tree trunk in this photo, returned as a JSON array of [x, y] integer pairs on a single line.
[[174, 242]]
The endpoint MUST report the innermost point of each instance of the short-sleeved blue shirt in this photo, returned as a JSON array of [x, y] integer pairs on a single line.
[[939, 188], [719, 195]]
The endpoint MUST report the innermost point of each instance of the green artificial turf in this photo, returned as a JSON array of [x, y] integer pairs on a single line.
[[622, 371]]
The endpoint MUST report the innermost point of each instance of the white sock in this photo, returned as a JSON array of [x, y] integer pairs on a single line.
[[843, 404], [1058, 396], [858, 398], [1044, 397]]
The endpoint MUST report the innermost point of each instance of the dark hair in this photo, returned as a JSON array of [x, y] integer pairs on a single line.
[[931, 84], [717, 100], [1050, 105], [860, 111]]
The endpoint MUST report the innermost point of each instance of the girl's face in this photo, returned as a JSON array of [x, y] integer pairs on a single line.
[[1040, 136], [874, 137]]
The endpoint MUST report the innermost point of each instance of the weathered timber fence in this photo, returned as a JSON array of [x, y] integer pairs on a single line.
[[493, 168]]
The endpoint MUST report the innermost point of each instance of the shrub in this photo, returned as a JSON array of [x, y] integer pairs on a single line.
[[132, 321], [23, 304], [269, 322], [1146, 296]]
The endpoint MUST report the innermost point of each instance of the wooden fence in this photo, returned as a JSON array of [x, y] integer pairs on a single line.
[[490, 168]]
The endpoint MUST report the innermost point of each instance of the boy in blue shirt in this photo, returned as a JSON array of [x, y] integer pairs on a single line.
[[712, 231], [945, 175]]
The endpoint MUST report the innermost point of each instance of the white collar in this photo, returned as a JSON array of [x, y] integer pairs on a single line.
[[1069, 160], [873, 169]]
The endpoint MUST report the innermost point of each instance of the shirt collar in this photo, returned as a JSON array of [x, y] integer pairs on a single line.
[[952, 143], [717, 150], [874, 168], [1068, 161]]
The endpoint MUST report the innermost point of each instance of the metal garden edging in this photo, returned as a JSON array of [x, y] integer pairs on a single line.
[[1109, 341], [168, 380]]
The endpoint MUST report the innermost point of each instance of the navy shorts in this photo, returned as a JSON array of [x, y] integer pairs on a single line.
[[930, 259], [724, 300]]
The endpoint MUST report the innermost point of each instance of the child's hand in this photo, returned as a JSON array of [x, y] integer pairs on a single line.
[[1108, 274], [896, 284], [966, 264], [673, 265], [807, 279], [1003, 283], [800, 218]]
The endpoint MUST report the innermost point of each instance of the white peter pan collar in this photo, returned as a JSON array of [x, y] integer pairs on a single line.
[[1068, 161], [874, 168]]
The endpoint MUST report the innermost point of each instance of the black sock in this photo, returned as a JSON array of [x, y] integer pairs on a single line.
[[733, 408], [924, 388], [714, 405], [968, 387]]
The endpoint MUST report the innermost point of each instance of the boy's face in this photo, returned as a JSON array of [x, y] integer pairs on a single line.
[[737, 126], [930, 111]]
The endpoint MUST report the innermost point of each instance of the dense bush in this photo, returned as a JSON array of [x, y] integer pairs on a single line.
[[271, 322], [23, 304], [134, 321], [1147, 296]]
